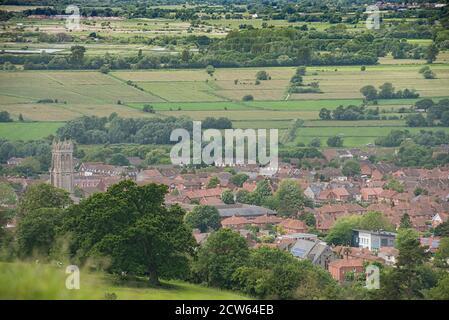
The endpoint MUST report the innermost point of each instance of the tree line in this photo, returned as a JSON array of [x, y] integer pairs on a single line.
[[114, 129]]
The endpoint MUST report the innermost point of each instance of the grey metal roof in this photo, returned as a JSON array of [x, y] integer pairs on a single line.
[[302, 248], [243, 211]]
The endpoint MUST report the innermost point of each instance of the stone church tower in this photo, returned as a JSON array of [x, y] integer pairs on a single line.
[[61, 172]]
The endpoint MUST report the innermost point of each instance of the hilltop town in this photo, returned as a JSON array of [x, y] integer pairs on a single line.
[[414, 196]]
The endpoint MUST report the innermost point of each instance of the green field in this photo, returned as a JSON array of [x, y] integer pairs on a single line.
[[193, 93], [42, 282], [352, 136], [28, 131]]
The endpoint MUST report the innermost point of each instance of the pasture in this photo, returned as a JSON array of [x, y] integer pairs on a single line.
[[194, 93], [28, 131]]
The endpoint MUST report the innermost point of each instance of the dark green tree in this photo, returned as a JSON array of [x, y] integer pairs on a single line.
[[238, 179], [406, 223], [432, 53], [325, 114], [42, 195], [213, 182], [290, 198], [204, 218], [351, 168], [369, 92], [223, 253], [77, 55], [119, 159], [36, 231], [227, 197], [335, 141], [131, 226]]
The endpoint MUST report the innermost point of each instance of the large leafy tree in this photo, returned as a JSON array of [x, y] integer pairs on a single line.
[[36, 231], [262, 191], [222, 254], [442, 255], [272, 273], [351, 168], [203, 218], [130, 225], [432, 53], [406, 222], [228, 197], [442, 230], [77, 55], [369, 92], [375, 220], [341, 232], [7, 194], [290, 198], [238, 179], [42, 196], [440, 291], [411, 276]]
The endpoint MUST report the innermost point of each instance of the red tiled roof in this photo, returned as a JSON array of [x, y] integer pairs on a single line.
[[266, 219], [203, 193], [341, 263], [293, 224], [234, 221]]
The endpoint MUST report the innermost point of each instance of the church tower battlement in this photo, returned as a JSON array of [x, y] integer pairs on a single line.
[[62, 169]]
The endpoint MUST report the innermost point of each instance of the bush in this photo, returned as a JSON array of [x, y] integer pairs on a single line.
[[262, 75], [5, 117], [248, 97], [335, 141]]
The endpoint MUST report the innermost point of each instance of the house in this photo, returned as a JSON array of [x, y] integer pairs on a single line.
[[439, 218], [249, 186], [371, 194], [340, 269], [211, 201], [313, 190], [149, 175], [389, 255], [331, 174], [200, 238], [387, 196], [433, 243], [318, 252], [373, 240], [376, 175], [344, 154], [357, 253], [328, 214], [293, 226], [336, 194], [262, 221], [202, 194], [14, 161], [235, 222], [90, 168]]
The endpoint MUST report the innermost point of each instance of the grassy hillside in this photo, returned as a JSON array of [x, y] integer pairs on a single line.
[[36, 281]]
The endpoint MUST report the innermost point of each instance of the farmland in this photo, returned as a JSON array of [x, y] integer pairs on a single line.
[[171, 44], [194, 93]]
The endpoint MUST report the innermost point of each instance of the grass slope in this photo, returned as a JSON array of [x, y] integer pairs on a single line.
[[28, 130], [36, 281]]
